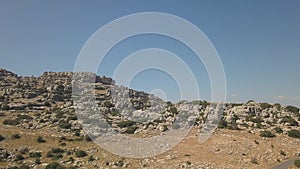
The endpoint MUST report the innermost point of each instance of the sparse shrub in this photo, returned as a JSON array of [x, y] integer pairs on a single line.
[[49, 154], [278, 130], [57, 156], [188, 163], [222, 124], [55, 165], [63, 144], [107, 104], [173, 110], [119, 163], [124, 124], [292, 109], [15, 136], [115, 113], [2, 138], [48, 104], [24, 116], [11, 121], [37, 161], [19, 157], [24, 150], [72, 118], [71, 159], [282, 153], [40, 139], [294, 133], [91, 158], [57, 150], [277, 105], [297, 163], [131, 129], [257, 120], [24, 166], [256, 142], [87, 138], [290, 120], [250, 101], [13, 167], [266, 134], [253, 160], [35, 154], [80, 153], [72, 167], [265, 105], [64, 125]]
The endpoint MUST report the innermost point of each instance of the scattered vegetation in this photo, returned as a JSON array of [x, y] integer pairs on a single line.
[[35, 154], [119, 163], [278, 130], [55, 165], [131, 129], [265, 105], [15, 136], [173, 110], [297, 163], [294, 133], [80, 153], [292, 109], [290, 120], [266, 134], [108, 104], [2, 138], [124, 124], [222, 124], [64, 125], [40, 139]]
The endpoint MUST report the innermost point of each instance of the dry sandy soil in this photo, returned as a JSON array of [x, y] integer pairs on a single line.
[[225, 149]]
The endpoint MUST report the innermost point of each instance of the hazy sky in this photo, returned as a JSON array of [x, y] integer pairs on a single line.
[[257, 41]]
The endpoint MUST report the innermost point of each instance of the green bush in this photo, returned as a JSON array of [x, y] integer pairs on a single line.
[[24, 166], [265, 105], [124, 124], [278, 130], [290, 120], [108, 104], [131, 129], [294, 133], [222, 124], [80, 153], [266, 134], [91, 158], [2, 138], [173, 110], [55, 165], [35, 154], [19, 157], [37, 161], [15, 136], [11, 121], [292, 109], [119, 163], [277, 105], [87, 138], [57, 150], [64, 125], [297, 163], [57, 156], [40, 139]]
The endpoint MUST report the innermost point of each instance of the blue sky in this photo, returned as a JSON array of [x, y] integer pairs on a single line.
[[257, 41]]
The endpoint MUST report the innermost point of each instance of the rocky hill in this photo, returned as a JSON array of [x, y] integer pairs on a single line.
[[42, 125]]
